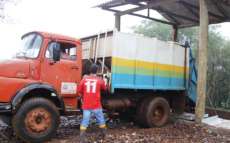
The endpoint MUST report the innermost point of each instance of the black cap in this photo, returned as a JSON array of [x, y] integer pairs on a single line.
[[93, 69]]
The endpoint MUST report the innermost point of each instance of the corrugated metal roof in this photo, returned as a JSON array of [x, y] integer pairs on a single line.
[[183, 13]]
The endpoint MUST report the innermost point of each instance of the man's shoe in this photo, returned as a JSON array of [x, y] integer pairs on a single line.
[[103, 132], [82, 136]]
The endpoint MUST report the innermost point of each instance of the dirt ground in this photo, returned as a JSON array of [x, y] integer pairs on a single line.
[[126, 132], [176, 131]]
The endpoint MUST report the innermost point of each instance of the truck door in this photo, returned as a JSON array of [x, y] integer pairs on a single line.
[[65, 74]]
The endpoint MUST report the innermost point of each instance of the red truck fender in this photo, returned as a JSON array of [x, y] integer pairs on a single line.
[[46, 91]]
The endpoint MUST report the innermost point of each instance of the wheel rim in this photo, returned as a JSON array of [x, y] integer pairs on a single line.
[[38, 120], [158, 114]]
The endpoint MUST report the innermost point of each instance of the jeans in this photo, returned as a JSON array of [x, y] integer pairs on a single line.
[[95, 112]]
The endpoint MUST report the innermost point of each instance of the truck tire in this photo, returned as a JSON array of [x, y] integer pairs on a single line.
[[140, 110], [154, 112], [36, 120]]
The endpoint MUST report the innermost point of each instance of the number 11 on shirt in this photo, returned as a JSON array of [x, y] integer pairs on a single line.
[[91, 86]]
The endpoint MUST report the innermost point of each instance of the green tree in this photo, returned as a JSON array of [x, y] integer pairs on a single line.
[[218, 70], [154, 29], [164, 31]]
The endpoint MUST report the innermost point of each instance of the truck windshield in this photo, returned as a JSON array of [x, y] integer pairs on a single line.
[[30, 46]]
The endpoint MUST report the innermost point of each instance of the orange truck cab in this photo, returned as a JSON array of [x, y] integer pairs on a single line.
[[46, 71]]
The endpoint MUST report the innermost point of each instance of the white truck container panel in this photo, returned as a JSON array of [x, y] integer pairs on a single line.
[[140, 62]]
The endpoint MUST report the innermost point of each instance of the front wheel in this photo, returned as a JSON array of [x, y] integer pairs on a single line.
[[36, 120]]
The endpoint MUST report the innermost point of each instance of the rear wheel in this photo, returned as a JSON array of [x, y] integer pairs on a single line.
[[140, 111], [154, 112], [36, 120]]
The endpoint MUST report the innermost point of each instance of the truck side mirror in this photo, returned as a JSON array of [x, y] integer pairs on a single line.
[[56, 52]]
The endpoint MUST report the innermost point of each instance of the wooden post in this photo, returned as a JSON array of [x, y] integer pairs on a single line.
[[175, 33], [202, 61], [118, 22]]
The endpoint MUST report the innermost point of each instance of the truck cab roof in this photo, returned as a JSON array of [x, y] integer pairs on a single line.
[[54, 36]]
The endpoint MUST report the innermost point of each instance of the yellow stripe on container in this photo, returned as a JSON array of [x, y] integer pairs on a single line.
[[146, 65]]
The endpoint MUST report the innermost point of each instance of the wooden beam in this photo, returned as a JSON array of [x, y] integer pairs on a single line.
[[175, 33], [202, 62], [121, 4], [112, 10], [136, 2], [173, 19], [124, 2], [154, 19], [148, 12], [149, 5], [176, 15], [118, 22], [112, 4], [142, 16]]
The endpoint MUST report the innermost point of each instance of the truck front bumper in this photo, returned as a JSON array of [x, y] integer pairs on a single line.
[[5, 107]]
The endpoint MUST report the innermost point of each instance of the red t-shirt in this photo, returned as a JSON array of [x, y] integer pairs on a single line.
[[90, 87]]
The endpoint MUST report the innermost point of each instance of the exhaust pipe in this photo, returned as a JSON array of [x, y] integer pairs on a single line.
[[113, 104]]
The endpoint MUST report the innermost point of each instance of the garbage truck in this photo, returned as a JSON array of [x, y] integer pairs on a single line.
[[147, 80]]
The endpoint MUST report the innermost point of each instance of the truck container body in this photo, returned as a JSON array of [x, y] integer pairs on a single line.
[[139, 62]]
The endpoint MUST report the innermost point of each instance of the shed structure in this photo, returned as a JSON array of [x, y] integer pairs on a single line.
[[179, 14]]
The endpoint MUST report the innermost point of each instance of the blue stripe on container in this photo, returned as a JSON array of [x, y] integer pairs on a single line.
[[127, 81]]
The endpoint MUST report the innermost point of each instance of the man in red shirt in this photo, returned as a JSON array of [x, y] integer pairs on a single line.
[[90, 88]]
